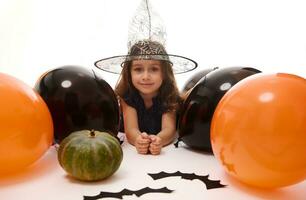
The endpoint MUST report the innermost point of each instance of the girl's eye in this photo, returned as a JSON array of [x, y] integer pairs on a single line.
[[155, 69], [137, 69]]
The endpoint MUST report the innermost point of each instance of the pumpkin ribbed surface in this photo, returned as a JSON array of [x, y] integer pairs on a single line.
[[90, 155]]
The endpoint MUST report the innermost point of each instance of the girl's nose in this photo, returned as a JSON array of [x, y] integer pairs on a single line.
[[146, 74]]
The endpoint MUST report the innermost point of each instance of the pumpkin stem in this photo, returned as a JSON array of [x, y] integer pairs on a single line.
[[92, 133]]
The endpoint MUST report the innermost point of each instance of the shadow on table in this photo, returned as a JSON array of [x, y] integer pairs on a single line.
[[181, 145], [291, 192], [44, 165], [111, 179]]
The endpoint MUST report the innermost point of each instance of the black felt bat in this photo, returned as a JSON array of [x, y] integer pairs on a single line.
[[210, 184], [119, 195]]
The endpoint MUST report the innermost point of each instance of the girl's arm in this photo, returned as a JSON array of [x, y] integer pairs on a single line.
[[166, 135], [131, 129], [140, 140], [168, 128]]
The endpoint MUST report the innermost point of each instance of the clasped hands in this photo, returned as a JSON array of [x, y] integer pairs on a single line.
[[148, 143]]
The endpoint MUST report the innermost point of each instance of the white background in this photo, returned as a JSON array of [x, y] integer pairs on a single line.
[[39, 35]]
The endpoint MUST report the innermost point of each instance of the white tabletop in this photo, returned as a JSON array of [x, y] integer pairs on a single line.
[[46, 180]]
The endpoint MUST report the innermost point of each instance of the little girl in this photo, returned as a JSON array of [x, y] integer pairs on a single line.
[[147, 89], [149, 97]]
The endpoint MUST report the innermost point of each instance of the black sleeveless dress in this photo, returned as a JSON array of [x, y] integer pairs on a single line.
[[149, 120]]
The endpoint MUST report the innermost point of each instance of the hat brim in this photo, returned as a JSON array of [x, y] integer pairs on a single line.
[[180, 64]]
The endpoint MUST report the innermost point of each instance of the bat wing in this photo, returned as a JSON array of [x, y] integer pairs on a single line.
[[151, 190], [162, 174], [210, 184], [119, 195]]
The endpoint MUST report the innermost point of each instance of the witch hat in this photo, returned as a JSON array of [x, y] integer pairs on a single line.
[[146, 41]]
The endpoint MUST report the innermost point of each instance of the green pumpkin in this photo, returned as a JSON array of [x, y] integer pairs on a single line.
[[90, 155]]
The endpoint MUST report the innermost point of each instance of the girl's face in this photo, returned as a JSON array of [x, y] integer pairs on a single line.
[[147, 76]]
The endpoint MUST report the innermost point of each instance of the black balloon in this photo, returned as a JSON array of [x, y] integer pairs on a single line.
[[192, 81], [78, 99], [199, 106]]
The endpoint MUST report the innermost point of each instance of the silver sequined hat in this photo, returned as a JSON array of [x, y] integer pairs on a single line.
[[146, 41]]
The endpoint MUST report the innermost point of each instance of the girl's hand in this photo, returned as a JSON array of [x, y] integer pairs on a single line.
[[155, 145], [142, 143]]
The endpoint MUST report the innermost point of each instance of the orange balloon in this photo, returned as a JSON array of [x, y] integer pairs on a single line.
[[26, 128], [258, 130]]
